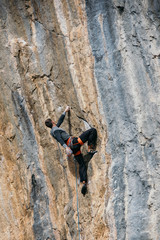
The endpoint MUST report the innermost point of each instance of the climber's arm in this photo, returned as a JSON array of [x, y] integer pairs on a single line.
[[61, 119]]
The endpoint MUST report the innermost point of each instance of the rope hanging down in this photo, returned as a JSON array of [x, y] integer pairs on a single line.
[[69, 124], [77, 198]]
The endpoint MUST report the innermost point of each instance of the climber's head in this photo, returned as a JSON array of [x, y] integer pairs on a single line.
[[49, 123]]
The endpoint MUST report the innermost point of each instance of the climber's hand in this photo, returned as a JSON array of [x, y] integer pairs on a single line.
[[68, 151], [67, 109]]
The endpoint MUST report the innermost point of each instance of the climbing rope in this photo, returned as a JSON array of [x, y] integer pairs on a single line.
[[69, 124], [77, 198]]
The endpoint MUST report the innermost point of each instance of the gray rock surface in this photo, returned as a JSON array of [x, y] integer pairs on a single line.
[[125, 43], [102, 58]]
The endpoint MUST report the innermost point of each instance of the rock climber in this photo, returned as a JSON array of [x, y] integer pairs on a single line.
[[73, 145]]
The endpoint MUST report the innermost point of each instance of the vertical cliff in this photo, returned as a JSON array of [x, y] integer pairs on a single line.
[[124, 36], [101, 58]]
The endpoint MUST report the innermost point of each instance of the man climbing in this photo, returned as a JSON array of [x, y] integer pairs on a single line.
[[72, 145]]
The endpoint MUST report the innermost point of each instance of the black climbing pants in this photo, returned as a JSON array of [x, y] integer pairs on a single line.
[[90, 136]]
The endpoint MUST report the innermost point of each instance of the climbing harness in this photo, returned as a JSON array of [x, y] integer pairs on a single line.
[[77, 199], [80, 141], [77, 153], [71, 144]]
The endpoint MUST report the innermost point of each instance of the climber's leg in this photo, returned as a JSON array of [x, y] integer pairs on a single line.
[[82, 168], [82, 172], [90, 136]]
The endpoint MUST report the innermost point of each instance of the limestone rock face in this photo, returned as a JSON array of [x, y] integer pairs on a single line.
[[102, 58]]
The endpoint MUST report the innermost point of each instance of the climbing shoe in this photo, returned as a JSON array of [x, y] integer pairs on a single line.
[[92, 152], [84, 189], [91, 149]]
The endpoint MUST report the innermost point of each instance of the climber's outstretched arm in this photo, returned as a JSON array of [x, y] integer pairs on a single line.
[[61, 119]]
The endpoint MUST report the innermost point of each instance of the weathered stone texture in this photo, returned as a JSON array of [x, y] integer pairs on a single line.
[[125, 43], [102, 59]]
